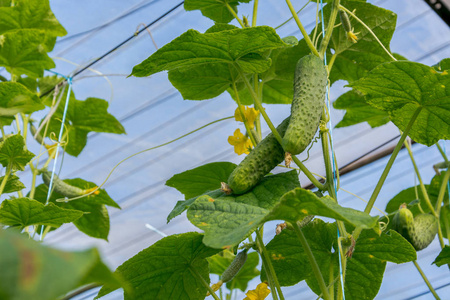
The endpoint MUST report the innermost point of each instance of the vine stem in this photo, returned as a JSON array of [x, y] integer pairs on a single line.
[[275, 133], [302, 29], [424, 277], [269, 266], [442, 191], [386, 170], [210, 290], [442, 152], [79, 291], [330, 27], [422, 186], [255, 13], [313, 262], [231, 10], [247, 126], [5, 178], [368, 29]]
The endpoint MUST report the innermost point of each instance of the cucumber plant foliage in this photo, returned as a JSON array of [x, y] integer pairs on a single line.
[[230, 203]]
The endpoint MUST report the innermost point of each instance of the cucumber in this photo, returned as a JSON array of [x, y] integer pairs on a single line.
[[261, 160], [345, 21], [419, 231], [64, 188], [237, 263], [310, 83]]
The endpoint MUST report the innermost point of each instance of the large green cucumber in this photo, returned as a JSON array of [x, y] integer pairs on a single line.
[[309, 97], [261, 160], [419, 231]]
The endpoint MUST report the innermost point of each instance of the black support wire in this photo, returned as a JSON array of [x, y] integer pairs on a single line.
[[120, 44]]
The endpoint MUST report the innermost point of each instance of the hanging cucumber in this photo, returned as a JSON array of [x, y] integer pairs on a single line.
[[64, 188], [310, 83], [419, 231], [261, 160]]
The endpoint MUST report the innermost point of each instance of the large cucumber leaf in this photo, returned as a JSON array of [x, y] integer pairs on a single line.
[[173, 268], [82, 118], [23, 52], [227, 220], [16, 98], [33, 271], [400, 88], [216, 10], [24, 212]]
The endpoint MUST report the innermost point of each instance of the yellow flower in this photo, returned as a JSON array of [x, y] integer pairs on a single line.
[[240, 142], [351, 36], [260, 293], [250, 115]]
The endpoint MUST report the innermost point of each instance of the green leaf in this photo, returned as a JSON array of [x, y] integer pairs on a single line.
[[183, 205], [227, 220], [12, 185], [400, 88], [356, 59], [25, 211], [288, 258], [169, 269], [16, 98], [82, 118], [230, 46], [358, 111], [443, 65], [278, 81], [299, 203], [95, 221], [365, 270], [14, 154], [28, 268], [220, 262], [216, 10], [443, 258], [202, 179], [31, 14], [23, 52]]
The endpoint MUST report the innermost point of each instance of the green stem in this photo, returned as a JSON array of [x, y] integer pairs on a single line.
[[203, 281], [275, 133], [5, 178], [331, 62], [25, 120], [331, 281], [231, 10], [430, 287], [313, 262], [442, 152], [3, 132], [442, 191], [391, 162], [386, 170], [297, 12], [269, 267], [302, 29], [255, 13], [370, 31], [247, 126], [422, 186], [330, 27]]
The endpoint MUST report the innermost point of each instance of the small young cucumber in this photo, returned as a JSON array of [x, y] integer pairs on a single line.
[[64, 188], [309, 97], [237, 263], [419, 231], [261, 160]]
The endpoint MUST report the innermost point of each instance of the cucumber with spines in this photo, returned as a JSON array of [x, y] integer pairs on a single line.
[[261, 160], [235, 266], [310, 83], [419, 230]]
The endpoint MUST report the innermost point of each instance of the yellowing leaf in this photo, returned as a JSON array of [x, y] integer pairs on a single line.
[[260, 293]]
